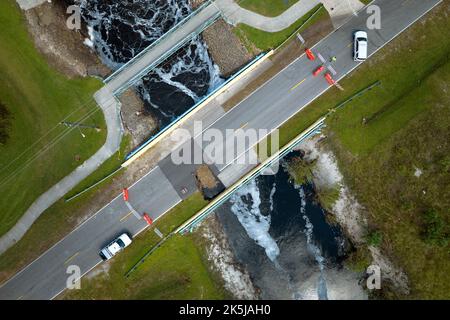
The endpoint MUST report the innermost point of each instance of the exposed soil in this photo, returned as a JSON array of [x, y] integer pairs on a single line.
[[207, 182], [225, 48], [347, 211], [196, 3], [235, 277], [62, 48], [136, 120], [205, 176]]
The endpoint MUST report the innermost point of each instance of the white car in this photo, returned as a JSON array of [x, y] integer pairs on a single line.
[[360, 46], [115, 247]]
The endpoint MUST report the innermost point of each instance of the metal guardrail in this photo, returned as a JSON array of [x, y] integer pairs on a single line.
[[356, 95], [313, 130], [146, 255], [93, 185], [132, 153], [166, 55], [321, 7], [164, 36]]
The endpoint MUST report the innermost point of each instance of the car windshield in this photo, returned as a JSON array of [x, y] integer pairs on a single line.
[[361, 40], [120, 243]]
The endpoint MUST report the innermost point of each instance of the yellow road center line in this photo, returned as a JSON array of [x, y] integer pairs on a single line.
[[72, 257], [349, 45], [294, 87], [244, 125], [126, 216]]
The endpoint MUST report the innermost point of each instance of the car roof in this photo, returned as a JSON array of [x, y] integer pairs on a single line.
[[114, 248], [362, 49]]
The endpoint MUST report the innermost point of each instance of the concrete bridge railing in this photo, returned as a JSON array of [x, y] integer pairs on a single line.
[[174, 39]]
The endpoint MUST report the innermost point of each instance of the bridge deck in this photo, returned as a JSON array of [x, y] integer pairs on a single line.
[[160, 50]]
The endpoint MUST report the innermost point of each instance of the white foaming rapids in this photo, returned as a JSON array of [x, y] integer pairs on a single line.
[[120, 30], [272, 193], [245, 205]]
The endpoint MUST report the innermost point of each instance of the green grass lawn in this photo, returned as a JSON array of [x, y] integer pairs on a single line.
[[269, 8], [176, 270], [393, 67], [61, 218], [382, 136], [38, 98], [270, 40], [383, 178]]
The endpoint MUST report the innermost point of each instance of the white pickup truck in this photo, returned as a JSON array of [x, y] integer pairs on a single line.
[[115, 246]]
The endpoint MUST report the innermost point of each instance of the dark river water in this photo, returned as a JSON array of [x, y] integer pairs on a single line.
[[279, 233], [276, 229], [119, 30]]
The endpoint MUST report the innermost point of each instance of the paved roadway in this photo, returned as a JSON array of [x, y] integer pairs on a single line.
[[110, 106], [236, 14], [46, 276], [295, 87], [268, 107]]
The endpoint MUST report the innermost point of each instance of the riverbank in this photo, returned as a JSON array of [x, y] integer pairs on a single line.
[[61, 47], [346, 211], [391, 145], [236, 279], [278, 234]]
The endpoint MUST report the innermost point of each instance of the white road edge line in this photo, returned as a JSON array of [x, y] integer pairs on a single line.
[[344, 75], [281, 71], [76, 228], [135, 235]]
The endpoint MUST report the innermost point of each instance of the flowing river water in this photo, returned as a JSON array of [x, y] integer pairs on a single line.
[[119, 30], [276, 229], [280, 234]]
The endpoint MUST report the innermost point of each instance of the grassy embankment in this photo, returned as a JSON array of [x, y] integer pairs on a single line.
[[38, 98], [268, 8], [59, 219], [187, 276], [380, 161], [409, 102], [265, 41], [177, 270], [382, 137]]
